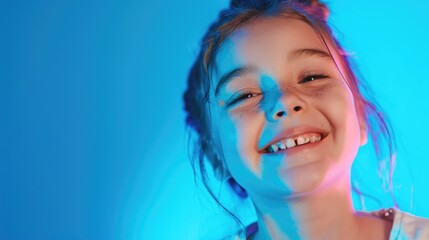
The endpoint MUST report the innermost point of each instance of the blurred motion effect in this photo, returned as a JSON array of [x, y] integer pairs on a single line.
[[93, 137]]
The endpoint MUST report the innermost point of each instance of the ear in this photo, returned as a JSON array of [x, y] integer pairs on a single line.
[[218, 166], [363, 131], [220, 171], [239, 190]]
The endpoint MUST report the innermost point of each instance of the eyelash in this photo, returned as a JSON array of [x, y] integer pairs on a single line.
[[313, 76], [241, 97]]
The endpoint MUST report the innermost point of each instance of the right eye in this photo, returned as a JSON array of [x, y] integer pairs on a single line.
[[313, 77], [240, 97]]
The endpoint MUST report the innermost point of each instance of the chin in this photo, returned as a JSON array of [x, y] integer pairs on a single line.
[[303, 180]]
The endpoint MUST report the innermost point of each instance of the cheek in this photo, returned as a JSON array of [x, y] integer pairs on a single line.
[[239, 133], [248, 122], [239, 123], [336, 103]]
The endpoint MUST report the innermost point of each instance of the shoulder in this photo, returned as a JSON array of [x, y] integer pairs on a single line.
[[405, 225]]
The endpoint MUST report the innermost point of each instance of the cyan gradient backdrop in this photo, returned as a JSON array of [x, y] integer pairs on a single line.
[[92, 136]]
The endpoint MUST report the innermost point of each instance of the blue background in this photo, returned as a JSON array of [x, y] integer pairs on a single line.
[[92, 135]]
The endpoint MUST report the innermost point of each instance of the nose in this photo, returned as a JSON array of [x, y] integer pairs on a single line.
[[284, 104]]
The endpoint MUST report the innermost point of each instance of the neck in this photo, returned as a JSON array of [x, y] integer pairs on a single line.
[[323, 214]]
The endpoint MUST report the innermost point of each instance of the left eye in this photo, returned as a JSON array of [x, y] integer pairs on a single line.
[[313, 77], [241, 97]]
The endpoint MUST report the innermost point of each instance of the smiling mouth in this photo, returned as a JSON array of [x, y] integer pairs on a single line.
[[300, 140]]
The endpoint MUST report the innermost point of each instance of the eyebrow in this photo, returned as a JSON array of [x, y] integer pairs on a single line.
[[310, 52], [226, 78], [233, 74]]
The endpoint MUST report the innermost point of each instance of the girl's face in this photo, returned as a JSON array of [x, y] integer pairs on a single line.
[[285, 117]]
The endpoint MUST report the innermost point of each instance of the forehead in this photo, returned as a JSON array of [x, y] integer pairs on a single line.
[[266, 41]]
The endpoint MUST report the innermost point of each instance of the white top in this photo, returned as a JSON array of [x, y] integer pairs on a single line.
[[409, 227], [405, 225]]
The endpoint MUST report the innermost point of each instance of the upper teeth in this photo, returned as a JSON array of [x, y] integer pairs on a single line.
[[293, 142]]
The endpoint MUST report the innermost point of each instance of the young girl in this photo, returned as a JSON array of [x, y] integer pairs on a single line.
[[279, 112]]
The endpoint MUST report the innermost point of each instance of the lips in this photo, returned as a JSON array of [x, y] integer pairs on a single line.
[[292, 138]]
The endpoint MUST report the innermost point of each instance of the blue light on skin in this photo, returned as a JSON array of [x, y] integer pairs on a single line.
[[299, 185]]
